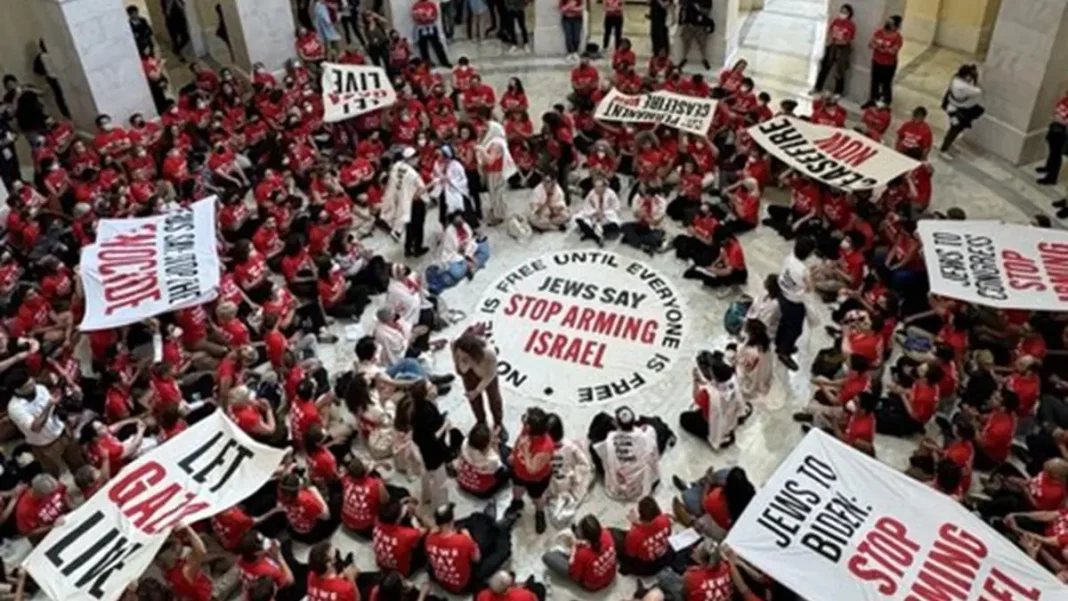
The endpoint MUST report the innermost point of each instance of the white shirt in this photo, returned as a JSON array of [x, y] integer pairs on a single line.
[[792, 279], [23, 412], [572, 470], [631, 463], [544, 204], [452, 248], [392, 339], [600, 209], [407, 297], [724, 408], [652, 207]]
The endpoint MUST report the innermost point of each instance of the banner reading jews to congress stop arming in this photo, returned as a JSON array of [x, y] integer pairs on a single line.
[[110, 541], [1003, 265], [143, 267], [352, 90], [838, 157], [833, 524], [689, 114]]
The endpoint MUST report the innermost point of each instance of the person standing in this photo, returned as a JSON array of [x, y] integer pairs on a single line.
[[177, 25], [496, 167], [142, 31], [658, 26], [794, 284], [836, 53], [425, 17], [571, 19], [403, 207], [961, 104], [222, 32], [885, 45], [1057, 140], [324, 25], [42, 65], [9, 159], [696, 24], [476, 364], [32, 409], [515, 22], [613, 22]]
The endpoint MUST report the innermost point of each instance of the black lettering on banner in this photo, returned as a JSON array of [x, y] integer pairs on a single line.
[[787, 141], [952, 263], [108, 550], [224, 458], [180, 269], [808, 510], [983, 265], [356, 92]]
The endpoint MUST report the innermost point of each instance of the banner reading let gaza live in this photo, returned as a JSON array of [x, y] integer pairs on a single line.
[[838, 157], [110, 541], [352, 90], [143, 267], [997, 264], [833, 524], [689, 114]]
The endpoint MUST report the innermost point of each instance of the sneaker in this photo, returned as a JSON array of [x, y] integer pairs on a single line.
[[679, 483], [442, 380], [1061, 204], [539, 521], [681, 64], [516, 507], [945, 154], [707, 65], [788, 361], [803, 417], [1063, 213], [420, 252], [1041, 169], [1046, 181], [327, 339], [513, 50]]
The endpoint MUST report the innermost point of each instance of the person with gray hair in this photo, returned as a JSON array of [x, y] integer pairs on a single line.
[[39, 507], [501, 586]]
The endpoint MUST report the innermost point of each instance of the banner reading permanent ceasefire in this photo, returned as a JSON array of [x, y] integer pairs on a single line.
[[689, 114], [352, 90], [110, 541], [838, 157], [143, 267], [997, 264], [833, 524]]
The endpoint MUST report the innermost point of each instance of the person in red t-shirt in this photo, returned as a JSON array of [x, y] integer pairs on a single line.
[[591, 562], [427, 35], [38, 507], [907, 410], [397, 538], [828, 403], [532, 469], [307, 512], [729, 267], [101, 445], [915, 134], [836, 52], [643, 548], [330, 578], [183, 573], [502, 587], [1056, 138], [260, 558], [996, 430], [885, 44]]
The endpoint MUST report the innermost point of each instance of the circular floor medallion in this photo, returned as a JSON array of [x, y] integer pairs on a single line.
[[583, 326]]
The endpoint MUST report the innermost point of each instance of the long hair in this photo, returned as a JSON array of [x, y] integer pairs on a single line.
[[739, 492]]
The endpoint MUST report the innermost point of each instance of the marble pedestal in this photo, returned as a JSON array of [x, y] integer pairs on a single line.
[[261, 31], [96, 59]]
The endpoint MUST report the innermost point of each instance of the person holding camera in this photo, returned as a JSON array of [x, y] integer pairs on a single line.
[[1057, 140], [961, 104], [696, 25], [33, 410]]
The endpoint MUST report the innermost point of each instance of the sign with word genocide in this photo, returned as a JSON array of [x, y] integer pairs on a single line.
[[689, 114], [146, 266], [352, 90], [838, 157], [110, 541], [1003, 265], [833, 524], [583, 326]]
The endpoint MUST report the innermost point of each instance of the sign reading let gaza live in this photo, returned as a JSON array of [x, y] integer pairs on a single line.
[[583, 326]]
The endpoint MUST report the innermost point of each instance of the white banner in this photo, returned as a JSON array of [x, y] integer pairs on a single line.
[[1003, 265], [146, 266], [108, 542], [833, 524], [687, 113], [351, 90], [838, 157]]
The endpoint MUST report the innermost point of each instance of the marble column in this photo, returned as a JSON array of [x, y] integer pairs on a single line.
[[869, 15], [920, 20], [750, 5], [95, 57], [548, 29], [261, 31], [1022, 78], [723, 43]]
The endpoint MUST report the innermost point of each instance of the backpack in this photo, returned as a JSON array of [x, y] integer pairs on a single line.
[[734, 318]]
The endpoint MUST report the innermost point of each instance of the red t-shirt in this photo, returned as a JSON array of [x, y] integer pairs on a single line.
[[885, 45], [303, 511], [424, 13], [648, 541], [1058, 528], [996, 437], [853, 384], [962, 453], [198, 589], [303, 414], [860, 428], [394, 545], [32, 513], [276, 344], [591, 569], [867, 345], [230, 525], [333, 588], [708, 583], [360, 502], [914, 134], [1047, 493], [715, 505], [1061, 110], [733, 255], [450, 557], [1027, 388], [322, 465], [539, 445], [924, 401], [842, 30], [250, 572]]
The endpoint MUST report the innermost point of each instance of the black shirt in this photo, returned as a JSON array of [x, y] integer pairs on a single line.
[[426, 421]]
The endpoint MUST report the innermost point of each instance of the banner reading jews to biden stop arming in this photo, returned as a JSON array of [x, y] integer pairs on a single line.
[[352, 90], [833, 524], [143, 267], [687, 113], [110, 541], [838, 157], [1003, 265]]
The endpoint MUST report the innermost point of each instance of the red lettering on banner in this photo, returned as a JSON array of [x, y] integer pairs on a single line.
[[128, 267], [999, 586], [576, 350], [884, 555], [1022, 272], [1054, 256], [845, 149], [951, 567], [584, 319], [147, 505]]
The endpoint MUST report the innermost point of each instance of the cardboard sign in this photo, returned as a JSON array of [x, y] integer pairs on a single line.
[[110, 541], [1003, 265], [834, 524], [143, 267], [583, 326], [693, 115], [838, 157], [352, 90]]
